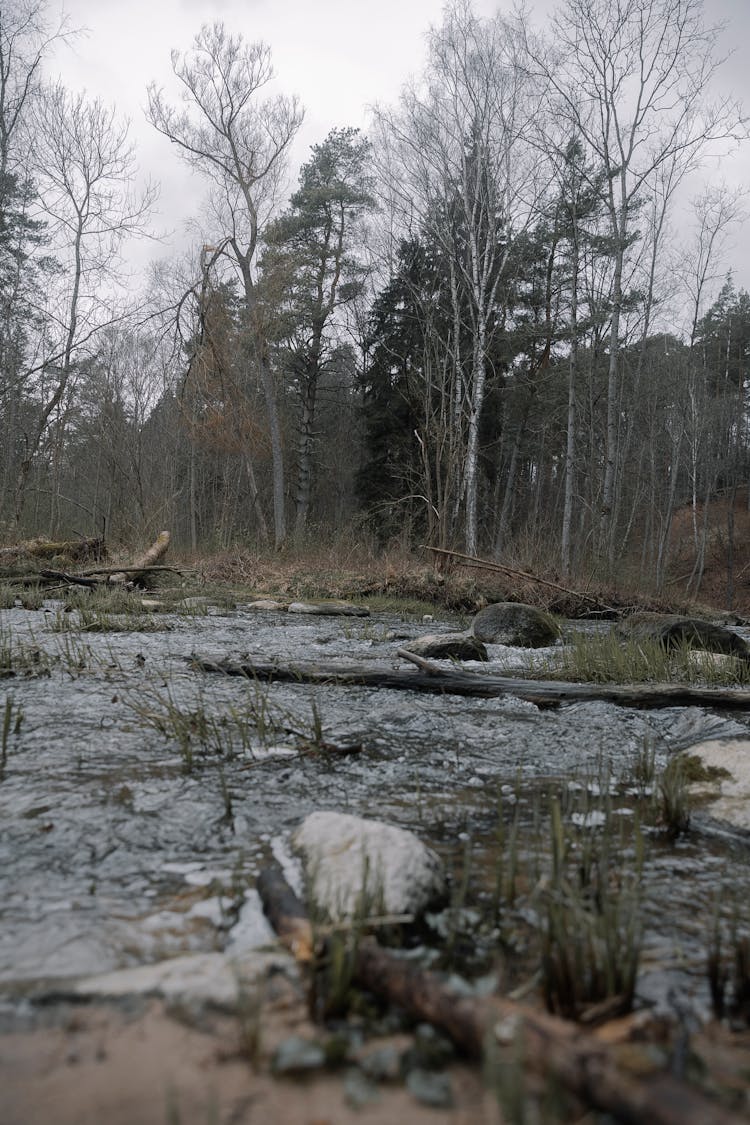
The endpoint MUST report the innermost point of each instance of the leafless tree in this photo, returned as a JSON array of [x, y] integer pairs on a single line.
[[635, 78], [460, 171], [239, 141], [84, 167]]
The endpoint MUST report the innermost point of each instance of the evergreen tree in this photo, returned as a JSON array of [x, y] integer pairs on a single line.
[[313, 262]]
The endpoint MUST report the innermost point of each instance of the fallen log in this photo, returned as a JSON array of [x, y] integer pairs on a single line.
[[429, 677], [551, 1047], [138, 569]]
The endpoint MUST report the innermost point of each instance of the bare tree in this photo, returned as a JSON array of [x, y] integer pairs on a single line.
[[634, 79], [84, 167], [26, 35], [239, 142], [460, 170]]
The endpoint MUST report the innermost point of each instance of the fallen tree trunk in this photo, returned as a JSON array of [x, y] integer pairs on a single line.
[[454, 681], [550, 1046], [138, 569]]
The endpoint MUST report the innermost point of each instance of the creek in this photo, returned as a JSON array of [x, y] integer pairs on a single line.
[[139, 797]]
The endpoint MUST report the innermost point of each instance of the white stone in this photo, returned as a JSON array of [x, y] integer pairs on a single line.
[[203, 977], [348, 859], [730, 795]]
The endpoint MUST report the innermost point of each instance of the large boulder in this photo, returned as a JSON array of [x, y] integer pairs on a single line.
[[355, 865], [447, 646], [670, 630], [512, 623], [723, 779]]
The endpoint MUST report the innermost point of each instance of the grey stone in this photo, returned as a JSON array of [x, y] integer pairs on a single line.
[[430, 1088], [729, 791], [296, 1055], [352, 863], [330, 609], [512, 623], [671, 630], [212, 978], [359, 1091], [448, 646], [383, 1064]]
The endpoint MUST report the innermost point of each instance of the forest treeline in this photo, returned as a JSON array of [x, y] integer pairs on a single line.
[[499, 321]]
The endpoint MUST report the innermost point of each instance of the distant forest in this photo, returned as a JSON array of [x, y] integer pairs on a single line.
[[500, 322]]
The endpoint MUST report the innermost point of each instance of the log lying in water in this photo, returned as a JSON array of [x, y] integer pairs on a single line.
[[551, 1047], [455, 681]]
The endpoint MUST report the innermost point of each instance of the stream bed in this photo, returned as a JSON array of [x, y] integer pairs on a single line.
[[139, 797]]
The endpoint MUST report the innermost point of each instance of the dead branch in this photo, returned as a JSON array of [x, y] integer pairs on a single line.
[[550, 1046], [60, 576], [286, 913], [486, 564], [130, 570]]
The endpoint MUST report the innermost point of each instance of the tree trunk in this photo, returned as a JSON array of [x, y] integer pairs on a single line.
[[304, 453]]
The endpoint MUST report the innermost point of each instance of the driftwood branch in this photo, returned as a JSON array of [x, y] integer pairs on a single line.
[[454, 681], [486, 564], [550, 1046]]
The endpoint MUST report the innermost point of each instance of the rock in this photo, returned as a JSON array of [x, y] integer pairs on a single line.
[[330, 609], [359, 1091], [296, 1055], [448, 646], [671, 630], [727, 781], [351, 863], [511, 623], [210, 978], [430, 1088], [383, 1064]]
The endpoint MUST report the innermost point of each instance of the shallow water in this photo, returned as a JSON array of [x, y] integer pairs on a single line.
[[122, 843]]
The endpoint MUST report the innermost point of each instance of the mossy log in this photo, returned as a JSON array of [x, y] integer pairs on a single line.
[[428, 677], [76, 550], [549, 1046]]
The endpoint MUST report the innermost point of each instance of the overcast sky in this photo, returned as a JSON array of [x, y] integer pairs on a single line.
[[339, 56]]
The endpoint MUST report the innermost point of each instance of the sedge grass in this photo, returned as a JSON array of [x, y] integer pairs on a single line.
[[607, 659]]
